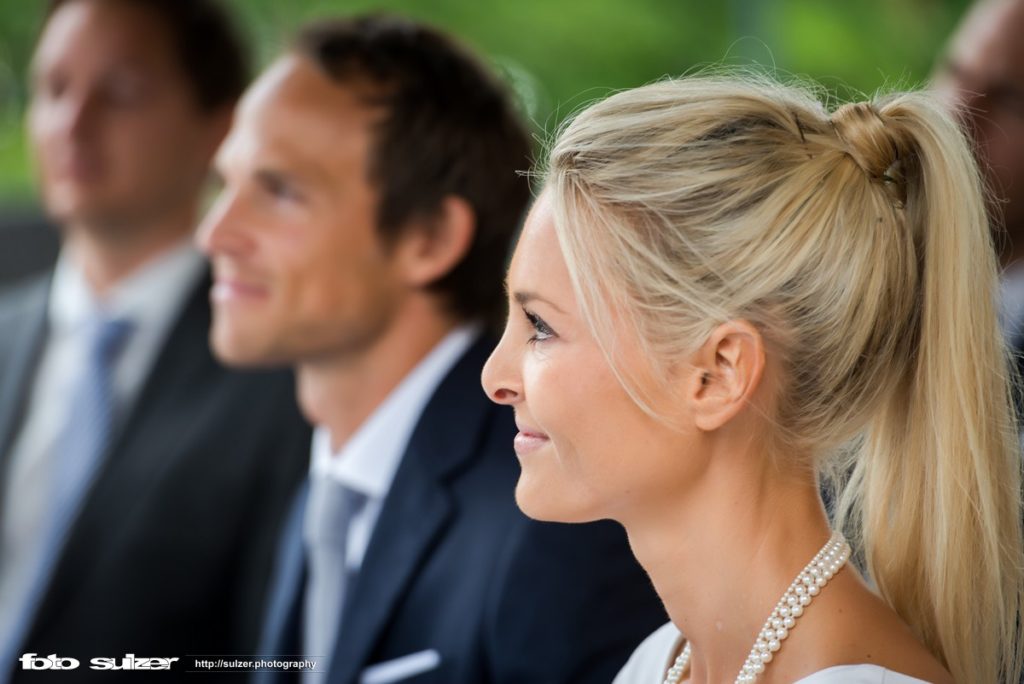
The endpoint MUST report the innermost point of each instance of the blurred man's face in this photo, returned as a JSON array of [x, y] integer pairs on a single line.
[[301, 274], [984, 72], [118, 137]]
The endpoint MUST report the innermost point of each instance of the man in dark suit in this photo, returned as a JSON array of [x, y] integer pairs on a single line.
[[142, 484], [371, 194], [981, 73]]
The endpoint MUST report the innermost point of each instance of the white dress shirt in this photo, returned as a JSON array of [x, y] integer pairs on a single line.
[[367, 462], [151, 298]]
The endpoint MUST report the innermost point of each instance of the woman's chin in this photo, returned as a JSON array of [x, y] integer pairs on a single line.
[[547, 505]]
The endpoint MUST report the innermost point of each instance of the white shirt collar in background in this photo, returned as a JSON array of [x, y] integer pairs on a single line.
[[151, 298]]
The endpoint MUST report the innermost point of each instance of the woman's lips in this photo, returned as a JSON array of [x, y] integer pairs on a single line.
[[527, 442]]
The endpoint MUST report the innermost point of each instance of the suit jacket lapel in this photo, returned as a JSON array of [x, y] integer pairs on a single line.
[[282, 628], [412, 519], [416, 510], [26, 330]]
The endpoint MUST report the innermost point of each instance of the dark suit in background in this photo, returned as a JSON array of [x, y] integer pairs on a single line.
[[172, 548], [28, 245], [146, 525], [454, 567]]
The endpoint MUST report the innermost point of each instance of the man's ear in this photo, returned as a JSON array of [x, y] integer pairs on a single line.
[[726, 371], [427, 253]]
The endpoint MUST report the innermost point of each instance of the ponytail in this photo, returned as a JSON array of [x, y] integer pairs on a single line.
[[935, 494]]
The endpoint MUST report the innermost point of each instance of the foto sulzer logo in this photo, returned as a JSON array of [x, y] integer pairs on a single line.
[[31, 661], [34, 661]]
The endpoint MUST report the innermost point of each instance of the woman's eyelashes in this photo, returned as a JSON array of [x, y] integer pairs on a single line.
[[542, 331]]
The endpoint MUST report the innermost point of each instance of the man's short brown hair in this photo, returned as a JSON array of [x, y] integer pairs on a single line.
[[449, 128], [207, 46]]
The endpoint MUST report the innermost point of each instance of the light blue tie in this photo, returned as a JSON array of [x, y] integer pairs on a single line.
[[329, 512], [78, 452], [91, 425]]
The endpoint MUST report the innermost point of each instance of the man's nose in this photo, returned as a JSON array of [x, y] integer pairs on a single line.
[[219, 232]]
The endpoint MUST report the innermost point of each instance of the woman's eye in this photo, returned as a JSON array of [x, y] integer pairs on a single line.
[[541, 329]]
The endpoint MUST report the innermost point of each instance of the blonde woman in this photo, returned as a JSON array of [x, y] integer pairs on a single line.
[[725, 291]]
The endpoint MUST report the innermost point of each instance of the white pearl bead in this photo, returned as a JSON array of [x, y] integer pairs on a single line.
[[774, 645], [804, 600], [781, 633], [813, 590], [797, 610], [788, 623]]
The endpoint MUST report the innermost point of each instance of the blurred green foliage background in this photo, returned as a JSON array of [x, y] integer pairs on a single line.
[[560, 54]]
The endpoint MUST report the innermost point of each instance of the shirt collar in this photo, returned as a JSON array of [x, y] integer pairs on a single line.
[[367, 462], [149, 296]]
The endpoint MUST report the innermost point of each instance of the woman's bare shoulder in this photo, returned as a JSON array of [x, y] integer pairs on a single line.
[[853, 626]]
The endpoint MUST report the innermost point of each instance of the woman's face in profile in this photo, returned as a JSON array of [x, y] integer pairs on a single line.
[[586, 449]]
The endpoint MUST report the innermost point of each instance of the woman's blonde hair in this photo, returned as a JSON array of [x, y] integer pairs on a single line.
[[857, 242]]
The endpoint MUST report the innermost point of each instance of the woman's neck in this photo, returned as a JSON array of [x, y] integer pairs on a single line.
[[722, 556]]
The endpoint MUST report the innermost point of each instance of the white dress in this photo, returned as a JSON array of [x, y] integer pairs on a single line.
[[654, 656]]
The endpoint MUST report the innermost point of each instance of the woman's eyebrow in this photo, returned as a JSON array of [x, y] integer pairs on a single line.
[[524, 298]]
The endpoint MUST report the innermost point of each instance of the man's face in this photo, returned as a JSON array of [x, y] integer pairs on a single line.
[[301, 274], [118, 137], [983, 71]]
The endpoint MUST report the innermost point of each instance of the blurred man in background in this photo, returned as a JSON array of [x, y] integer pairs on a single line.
[[371, 194], [982, 76], [141, 483]]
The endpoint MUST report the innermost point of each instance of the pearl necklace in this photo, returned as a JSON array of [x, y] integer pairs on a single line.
[[798, 596]]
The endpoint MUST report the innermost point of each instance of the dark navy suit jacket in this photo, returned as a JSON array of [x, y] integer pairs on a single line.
[[172, 550], [454, 567]]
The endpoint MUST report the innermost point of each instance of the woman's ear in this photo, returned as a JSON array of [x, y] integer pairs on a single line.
[[727, 370], [427, 253]]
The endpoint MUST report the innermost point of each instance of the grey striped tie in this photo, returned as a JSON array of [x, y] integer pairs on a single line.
[[90, 426], [329, 512]]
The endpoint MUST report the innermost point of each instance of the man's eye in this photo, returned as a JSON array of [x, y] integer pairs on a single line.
[[51, 88], [125, 91], [279, 188]]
